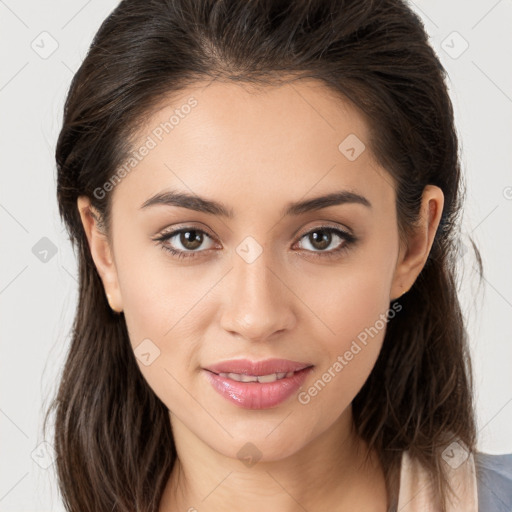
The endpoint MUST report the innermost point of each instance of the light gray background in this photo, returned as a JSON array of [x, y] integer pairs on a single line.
[[38, 298]]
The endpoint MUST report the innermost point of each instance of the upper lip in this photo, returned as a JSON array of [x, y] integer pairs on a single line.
[[257, 368]]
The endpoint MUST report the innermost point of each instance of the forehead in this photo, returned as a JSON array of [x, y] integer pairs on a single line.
[[274, 144]]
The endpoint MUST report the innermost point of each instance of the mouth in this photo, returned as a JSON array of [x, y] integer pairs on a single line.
[[242, 377], [268, 370], [260, 389]]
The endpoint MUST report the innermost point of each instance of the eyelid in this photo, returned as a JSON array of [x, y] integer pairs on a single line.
[[186, 225], [190, 225], [326, 225], [342, 232]]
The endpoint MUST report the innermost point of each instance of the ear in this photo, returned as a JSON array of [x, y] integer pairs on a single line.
[[412, 259], [101, 252]]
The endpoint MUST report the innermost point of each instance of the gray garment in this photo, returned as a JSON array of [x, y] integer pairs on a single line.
[[494, 482]]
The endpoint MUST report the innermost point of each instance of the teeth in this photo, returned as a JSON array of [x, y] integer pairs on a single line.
[[242, 378], [239, 377], [268, 378]]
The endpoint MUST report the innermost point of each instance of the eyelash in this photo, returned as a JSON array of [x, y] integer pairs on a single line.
[[347, 237]]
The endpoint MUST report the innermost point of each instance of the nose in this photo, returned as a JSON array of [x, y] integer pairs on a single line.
[[258, 301]]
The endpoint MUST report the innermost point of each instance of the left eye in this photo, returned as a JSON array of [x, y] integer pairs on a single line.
[[322, 237], [191, 239]]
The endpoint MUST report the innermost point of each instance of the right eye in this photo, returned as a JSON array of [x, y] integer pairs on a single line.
[[189, 238]]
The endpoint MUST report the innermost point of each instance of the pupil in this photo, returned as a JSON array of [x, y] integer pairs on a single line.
[[321, 242], [191, 242]]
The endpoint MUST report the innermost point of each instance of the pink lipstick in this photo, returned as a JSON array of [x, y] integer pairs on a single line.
[[258, 384]]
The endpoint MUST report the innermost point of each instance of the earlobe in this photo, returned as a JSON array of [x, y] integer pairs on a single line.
[[412, 260], [101, 251]]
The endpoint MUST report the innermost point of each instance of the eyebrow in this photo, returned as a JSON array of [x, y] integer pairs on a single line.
[[201, 204]]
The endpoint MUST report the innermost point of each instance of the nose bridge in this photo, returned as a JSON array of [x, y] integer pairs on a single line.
[[258, 304]]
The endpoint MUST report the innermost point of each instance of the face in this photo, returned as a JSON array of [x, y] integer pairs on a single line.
[[311, 284]]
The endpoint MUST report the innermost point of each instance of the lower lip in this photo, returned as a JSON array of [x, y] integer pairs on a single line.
[[257, 395]]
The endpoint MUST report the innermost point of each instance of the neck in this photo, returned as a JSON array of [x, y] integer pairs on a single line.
[[334, 472]]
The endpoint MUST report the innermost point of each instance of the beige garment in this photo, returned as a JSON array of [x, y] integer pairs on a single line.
[[416, 491]]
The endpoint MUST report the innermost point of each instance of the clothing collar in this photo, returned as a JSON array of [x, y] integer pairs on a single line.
[[417, 494]]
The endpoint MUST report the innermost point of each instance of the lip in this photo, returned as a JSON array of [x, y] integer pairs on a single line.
[[257, 368], [257, 395]]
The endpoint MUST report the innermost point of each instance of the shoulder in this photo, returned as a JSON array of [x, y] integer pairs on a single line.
[[494, 482]]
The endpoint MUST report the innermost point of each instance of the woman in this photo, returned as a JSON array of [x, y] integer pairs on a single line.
[[265, 200]]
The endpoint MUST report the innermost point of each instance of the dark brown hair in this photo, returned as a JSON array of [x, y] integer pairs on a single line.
[[113, 439]]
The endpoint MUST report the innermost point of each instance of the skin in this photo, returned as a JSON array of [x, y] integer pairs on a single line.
[[256, 151]]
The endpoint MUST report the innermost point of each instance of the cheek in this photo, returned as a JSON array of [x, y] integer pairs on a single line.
[[349, 300], [348, 358], [165, 313], [353, 311], [158, 298], [350, 296]]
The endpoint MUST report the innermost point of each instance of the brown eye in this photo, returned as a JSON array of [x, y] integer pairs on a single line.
[[188, 240], [320, 239], [191, 239], [323, 237]]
